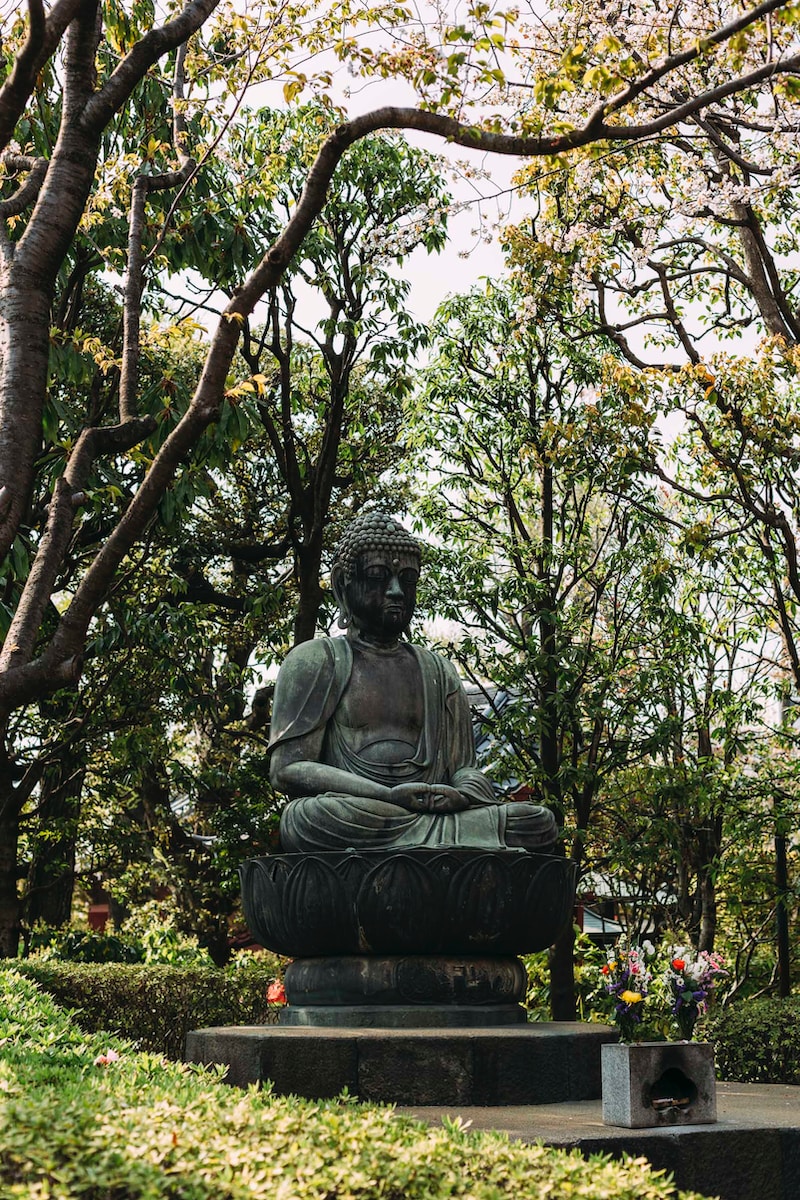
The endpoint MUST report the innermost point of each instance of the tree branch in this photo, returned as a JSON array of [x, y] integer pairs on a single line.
[[44, 34], [134, 278], [27, 192], [136, 63], [67, 497], [697, 50]]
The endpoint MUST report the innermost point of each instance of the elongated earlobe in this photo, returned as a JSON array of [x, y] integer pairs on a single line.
[[339, 586]]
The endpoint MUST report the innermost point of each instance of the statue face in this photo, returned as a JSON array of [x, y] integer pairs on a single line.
[[382, 593]]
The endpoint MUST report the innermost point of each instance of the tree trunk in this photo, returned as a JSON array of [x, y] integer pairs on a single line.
[[561, 961], [309, 558], [9, 869], [51, 879], [708, 911], [782, 915], [562, 976]]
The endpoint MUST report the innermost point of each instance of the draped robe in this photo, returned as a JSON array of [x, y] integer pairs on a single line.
[[307, 694]]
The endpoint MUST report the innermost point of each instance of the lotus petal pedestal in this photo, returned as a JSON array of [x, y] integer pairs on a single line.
[[415, 938]]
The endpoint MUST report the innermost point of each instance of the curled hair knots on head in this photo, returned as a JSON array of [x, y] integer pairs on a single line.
[[373, 531]]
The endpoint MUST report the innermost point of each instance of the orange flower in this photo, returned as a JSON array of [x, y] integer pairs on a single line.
[[678, 964], [276, 992]]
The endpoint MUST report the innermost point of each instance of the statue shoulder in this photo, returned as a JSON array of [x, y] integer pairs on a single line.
[[313, 655], [438, 666], [311, 680]]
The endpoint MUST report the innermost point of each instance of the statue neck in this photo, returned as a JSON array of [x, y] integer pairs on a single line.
[[365, 641]]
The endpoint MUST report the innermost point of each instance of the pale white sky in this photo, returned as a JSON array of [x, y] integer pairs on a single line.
[[467, 256]]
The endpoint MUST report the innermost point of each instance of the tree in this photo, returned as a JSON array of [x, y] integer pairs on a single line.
[[692, 234], [674, 819], [97, 62], [685, 247], [231, 558], [548, 551]]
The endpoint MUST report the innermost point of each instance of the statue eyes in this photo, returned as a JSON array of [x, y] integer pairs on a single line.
[[407, 577]]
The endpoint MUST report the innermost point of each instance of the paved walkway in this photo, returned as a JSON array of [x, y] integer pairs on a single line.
[[752, 1152]]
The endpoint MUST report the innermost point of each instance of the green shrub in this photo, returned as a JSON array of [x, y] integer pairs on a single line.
[[78, 1121], [757, 1041], [83, 945], [154, 1006], [147, 936]]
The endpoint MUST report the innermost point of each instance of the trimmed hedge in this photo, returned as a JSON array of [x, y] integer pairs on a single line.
[[90, 1118], [757, 1041], [155, 1006]]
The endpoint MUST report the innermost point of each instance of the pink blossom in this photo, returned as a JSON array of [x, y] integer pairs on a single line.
[[103, 1060]]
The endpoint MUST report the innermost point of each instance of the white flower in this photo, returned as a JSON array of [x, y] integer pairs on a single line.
[[693, 972]]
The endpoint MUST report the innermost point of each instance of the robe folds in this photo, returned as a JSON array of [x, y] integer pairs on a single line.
[[307, 693]]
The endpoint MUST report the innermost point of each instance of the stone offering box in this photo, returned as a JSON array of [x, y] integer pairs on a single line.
[[416, 937], [658, 1084]]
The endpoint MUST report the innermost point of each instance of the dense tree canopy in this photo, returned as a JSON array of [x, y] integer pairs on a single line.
[[115, 131]]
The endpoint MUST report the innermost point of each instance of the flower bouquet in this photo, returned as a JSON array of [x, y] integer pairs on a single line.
[[690, 979], [626, 980]]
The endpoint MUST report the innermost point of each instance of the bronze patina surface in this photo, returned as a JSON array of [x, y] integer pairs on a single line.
[[371, 736]]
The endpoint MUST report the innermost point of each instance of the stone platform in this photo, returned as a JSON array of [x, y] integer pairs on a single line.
[[537, 1082], [751, 1153], [541, 1063]]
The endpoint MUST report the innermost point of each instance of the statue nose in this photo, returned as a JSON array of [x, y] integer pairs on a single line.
[[394, 589]]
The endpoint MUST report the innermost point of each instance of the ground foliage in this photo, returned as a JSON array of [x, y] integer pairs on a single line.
[[88, 1116]]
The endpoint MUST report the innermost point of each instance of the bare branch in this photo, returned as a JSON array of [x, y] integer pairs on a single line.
[[27, 192], [673, 315], [729, 151], [615, 332]]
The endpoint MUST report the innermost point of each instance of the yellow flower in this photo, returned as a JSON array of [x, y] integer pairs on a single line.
[[630, 997]]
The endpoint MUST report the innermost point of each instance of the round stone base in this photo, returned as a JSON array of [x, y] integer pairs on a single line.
[[421, 979], [403, 1016]]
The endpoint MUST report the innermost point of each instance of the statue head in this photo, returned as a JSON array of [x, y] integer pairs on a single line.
[[374, 576]]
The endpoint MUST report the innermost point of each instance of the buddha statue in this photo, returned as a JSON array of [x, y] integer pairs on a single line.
[[371, 735]]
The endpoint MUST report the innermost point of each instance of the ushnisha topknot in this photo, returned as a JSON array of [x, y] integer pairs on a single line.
[[373, 531]]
